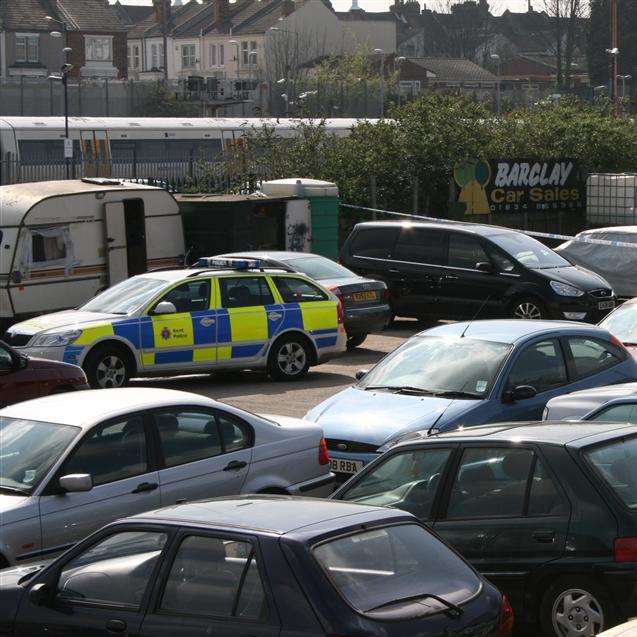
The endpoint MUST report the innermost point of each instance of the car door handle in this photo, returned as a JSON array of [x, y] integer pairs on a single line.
[[545, 537], [145, 486], [394, 270], [450, 277], [116, 626], [235, 465]]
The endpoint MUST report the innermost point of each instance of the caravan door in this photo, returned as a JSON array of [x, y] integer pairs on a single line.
[[125, 224], [96, 153]]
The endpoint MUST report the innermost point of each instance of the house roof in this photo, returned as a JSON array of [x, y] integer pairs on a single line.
[[88, 15], [366, 16], [454, 69], [131, 14], [24, 15], [179, 15]]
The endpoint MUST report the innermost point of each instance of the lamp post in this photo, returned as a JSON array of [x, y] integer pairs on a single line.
[[613, 55], [498, 60], [382, 81], [623, 79], [236, 45], [400, 59]]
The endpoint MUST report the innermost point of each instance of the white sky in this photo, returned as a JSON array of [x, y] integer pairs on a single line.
[[381, 5]]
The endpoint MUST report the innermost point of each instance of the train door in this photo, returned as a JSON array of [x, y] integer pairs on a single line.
[[125, 223], [96, 153]]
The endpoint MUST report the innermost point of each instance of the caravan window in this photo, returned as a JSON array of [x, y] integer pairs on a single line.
[[48, 245]]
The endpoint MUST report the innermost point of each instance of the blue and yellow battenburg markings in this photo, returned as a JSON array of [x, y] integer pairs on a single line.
[[213, 335]]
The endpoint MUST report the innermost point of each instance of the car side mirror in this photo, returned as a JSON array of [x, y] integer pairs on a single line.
[[16, 277], [484, 266], [40, 594], [22, 362], [165, 307], [521, 392], [76, 482], [361, 373]]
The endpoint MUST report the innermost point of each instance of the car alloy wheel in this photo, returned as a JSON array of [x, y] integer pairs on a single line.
[[291, 358], [576, 613], [527, 310], [111, 372]]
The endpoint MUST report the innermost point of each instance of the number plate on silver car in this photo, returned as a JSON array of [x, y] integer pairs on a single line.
[[339, 465], [606, 305]]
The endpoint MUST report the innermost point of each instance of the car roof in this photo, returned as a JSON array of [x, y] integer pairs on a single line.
[[473, 228], [170, 276], [603, 393], [281, 255], [86, 408], [270, 514], [510, 330], [560, 432]]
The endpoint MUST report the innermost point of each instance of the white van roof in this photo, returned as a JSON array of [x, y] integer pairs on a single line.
[[17, 199]]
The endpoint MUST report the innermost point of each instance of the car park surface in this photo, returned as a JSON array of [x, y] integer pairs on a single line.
[[466, 374], [255, 566], [365, 301], [459, 271], [546, 511], [23, 377], [230, 315], [73, 463]]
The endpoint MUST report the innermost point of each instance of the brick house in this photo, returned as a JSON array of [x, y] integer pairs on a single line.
[[92, 28]]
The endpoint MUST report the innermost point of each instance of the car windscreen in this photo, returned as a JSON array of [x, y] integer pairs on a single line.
[[395, 569], [622, 323], [529, 252], [616, 464], [125, 297], [320, 268], [436, 364], [28, 450]]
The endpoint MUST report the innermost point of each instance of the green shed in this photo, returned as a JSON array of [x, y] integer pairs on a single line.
[[324, 203]]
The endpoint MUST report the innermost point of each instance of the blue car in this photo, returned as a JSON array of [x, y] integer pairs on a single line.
[[466, 374]]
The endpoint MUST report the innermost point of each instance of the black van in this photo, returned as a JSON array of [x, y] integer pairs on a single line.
[[460, 271]]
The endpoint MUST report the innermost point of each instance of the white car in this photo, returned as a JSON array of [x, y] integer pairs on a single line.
[[72, 463], [624, 630]]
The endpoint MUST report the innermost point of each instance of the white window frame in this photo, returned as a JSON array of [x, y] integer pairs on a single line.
[[98, 48], [253, 59], [212, 55], [26, 41], [244, 53], [221, 58], [188, 56], [135, 55], [156, 56]]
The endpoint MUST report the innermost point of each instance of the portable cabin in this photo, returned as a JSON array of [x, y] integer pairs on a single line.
[[63, 241]]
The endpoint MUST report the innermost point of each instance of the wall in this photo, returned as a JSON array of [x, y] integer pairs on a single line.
[[376, 34], [50, 55]]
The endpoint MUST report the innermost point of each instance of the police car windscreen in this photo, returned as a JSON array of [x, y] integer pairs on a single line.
[[125, 297]]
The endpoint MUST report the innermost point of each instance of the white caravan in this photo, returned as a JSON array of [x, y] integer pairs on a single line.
[[63, 241]]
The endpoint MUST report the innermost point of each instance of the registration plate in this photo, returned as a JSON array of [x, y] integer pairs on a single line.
[[340, 465], [606, 305], [364, 296]]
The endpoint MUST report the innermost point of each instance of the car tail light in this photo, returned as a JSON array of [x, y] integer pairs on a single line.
[[385, 295], [334, 289], [625, 549], [617, 343], [324, 454], [506, 618]]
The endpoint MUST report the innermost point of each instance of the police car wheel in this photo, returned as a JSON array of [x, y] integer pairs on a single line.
[[289, 359], [107, 367]]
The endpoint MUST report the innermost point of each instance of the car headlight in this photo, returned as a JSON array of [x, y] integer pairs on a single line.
[[545, 413], [55, 339], [563, 289]]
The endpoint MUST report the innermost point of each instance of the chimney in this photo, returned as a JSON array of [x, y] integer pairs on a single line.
[[530, 7], [160, 7], [355, 6], [220, 14], [287, 8]]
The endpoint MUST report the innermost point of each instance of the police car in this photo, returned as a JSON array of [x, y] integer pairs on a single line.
[[223, 314]]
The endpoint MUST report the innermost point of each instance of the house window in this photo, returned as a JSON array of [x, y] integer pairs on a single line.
[[188, 56], [135, 56], [156, 56], [99, 48], [212, 55], [27, 48], [221, 55], [252, 59], [244, 53]]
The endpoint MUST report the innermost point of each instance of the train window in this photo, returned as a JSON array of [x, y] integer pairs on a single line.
[[152, 150], [36, 152]]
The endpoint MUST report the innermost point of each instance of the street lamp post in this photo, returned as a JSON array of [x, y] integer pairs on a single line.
[[623, 79], [496, 57], [382, 81], [613, 55], [400, 59]]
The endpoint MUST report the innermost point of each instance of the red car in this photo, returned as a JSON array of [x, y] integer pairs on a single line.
[[22, 378], [622, 323]]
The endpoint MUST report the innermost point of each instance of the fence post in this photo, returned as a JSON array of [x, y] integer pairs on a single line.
[[372, 194], [79, 95], [106, 98], [22, 95], [365, 97], [51, 98], [131, 88], [415, 198], [134, 173], [191, 164]]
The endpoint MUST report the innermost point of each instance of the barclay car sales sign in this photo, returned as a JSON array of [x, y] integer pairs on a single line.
[[519, 186]]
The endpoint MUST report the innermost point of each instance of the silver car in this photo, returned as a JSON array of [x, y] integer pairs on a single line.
[[71, 463]]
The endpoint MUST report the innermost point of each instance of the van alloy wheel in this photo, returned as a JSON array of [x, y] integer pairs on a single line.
[[527, 310], [576, 613], [111, 372]]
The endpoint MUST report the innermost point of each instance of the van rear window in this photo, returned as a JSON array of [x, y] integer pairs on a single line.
[[374, 242], [616, 464]]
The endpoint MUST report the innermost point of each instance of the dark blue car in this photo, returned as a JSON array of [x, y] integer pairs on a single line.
[[256, 566], [467, 374]]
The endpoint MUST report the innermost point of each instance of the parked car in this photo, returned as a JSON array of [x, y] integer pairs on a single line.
[[459, 271], [262, 566], [612, 403], [623, 324], [24, 377], [72, 464], [629, 629], [545, 511], [616, 264], [365, 301], [466, 374]]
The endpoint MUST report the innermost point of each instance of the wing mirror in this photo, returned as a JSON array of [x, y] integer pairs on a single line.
[[40, 594], [76, 482], [484, 266], [361, 373], [521, 392], [16, 277], [165, 307]]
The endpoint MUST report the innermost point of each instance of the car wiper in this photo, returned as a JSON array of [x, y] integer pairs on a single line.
[[453, 610], [13, 490], [456, 394], [400, 389]]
